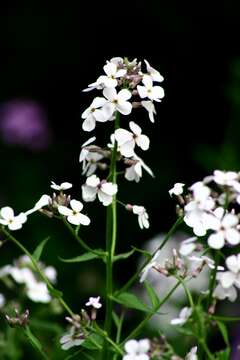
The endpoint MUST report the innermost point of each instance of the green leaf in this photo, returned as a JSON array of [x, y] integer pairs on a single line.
[[39, 249], [152, 294], [116, 319], [34, 341], [224, 331], [93, 342], [223, 355], [124, 255], [84, 257], [131, 301], [54, 292]]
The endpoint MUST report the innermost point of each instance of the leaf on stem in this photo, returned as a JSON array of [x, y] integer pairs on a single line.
[[152, 295], [131, 301], [39, 249], [84, 257], [123, 256]]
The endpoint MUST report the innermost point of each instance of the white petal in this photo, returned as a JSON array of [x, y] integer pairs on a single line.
[[66, 186], [135, 128], [147, 81], [89, 123], [100, 115], [227, 279], [157, 93], [229, 221], [109, 188], [142, 91], [7, 213], [124, 107], [89, 141], [110, 68], [110, 93], [15, 225], [232, 236], [216, 241], [124, 95], [76, 205], [144, 345], [88, 193], [64, 210], [131, 346], [93, 181], [143, 142], [232, 263], [122, 136], [127, 149], [104, 198]]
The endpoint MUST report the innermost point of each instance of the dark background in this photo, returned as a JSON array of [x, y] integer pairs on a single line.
[[51, 51]]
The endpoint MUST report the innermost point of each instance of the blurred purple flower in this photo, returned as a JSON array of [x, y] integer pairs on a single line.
[[24, 122]]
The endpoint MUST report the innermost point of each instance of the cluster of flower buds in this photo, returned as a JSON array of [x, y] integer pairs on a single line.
[[19, 320], [78, 331]]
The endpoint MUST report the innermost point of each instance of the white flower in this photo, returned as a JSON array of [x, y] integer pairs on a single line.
[[51, 273], [112, 74], [2, 301], [192, 355], [44, 200], [74, 216], [95, 112], [71, 339], [134, 172], [154, 93], [88, 158], [63, 186], [188, 246], [196, 211], [38, 292], [149, 106], [118, 101], [142, 216], [149, 266], [94, 302], [127, 140], [231, 277], [103, 189], [177, 189], [222, 293], [7, 218], [225, 229], [184, 315], [224, 177], [155, 75], [205, 260], [137, 350]]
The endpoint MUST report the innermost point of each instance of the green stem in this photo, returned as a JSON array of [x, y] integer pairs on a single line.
[[135, 332], [111, 238], [37, 268], [137, 273], [35, 342], [81, 242], [213, 280], [224, 318], [187, 292]]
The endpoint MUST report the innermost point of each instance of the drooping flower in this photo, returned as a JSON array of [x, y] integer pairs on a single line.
[[177, 189], [149, 106], [184, 315], [222, 293], [74, 215], [149, 266], [225, 229], [134, 172], [118, 101], [153, 73], [95, 187], [44, 200], [63, 186], [7, 218], [127, 140], [89, 158], [94, 302], [72, 338], [95, 112], [143, 217], [154, 93], [137, 350]]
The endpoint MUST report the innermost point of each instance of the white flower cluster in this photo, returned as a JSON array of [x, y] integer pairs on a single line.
[[22, 273], [124, 86], [137, 350], [212, 208]]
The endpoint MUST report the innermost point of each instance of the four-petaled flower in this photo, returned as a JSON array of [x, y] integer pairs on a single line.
[[72, 338], [127, 140], [7, 218], [118, 101], [137, 350], [112, 74], [177, 189], [94, 302], [155, 93], [95, 187], [89, 158], [95, 112], [134, 172], [74, 215]]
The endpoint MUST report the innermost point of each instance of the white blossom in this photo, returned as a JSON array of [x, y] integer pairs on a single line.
[[38, 292], [177, 189], [72, 338], [95, 187], [7, 218], [74, 215], [95, 112], [127, 140], [94, 302], [188, 246], [222, 293], [142, 216], [149, 266], [137, 350], [224, 177], [63, 186], [134, 172], [149, 106], [225, 229], [89, 158], [118, 101], [192, 355], [153, 73], [112, 74], [184, 315], [154, 93], [44, 200]]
